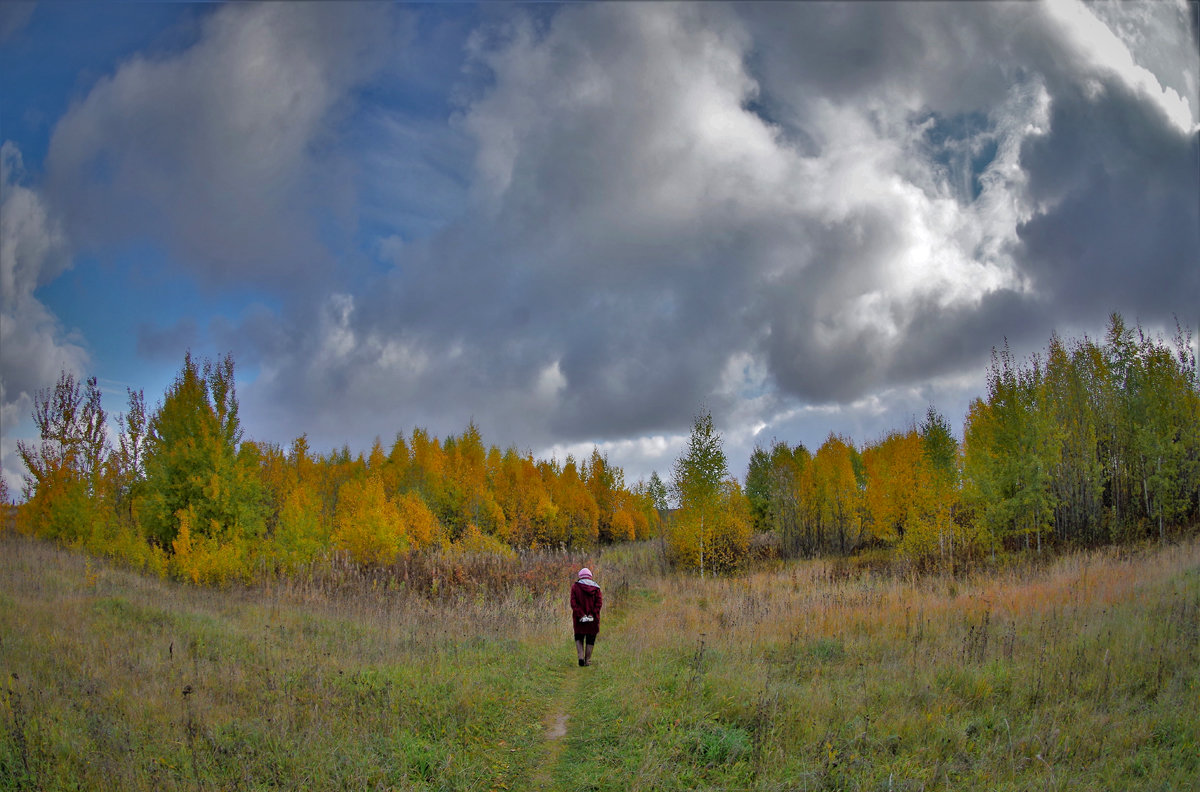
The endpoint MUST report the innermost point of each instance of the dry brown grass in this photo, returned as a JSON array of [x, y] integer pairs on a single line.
[[810, 600], [1072, 673]]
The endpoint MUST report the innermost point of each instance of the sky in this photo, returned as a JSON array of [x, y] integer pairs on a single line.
[[580, 225]]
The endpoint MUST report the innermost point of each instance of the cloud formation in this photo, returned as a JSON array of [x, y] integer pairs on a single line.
[[583, 223], [36, 347], [225, 153], [850, 199]]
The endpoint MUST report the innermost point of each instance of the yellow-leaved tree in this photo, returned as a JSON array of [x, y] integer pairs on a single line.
[[711, 529], [529, 511], [578, 517], [838, 491], [367, 523], [64, 488], [912, 494], [300, 537], [420, 523], [934, 510], [894, 480]]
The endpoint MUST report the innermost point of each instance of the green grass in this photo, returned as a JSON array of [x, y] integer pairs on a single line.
[[1082, 674], [116, 681]]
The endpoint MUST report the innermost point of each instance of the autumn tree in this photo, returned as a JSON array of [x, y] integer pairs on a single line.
[[466, 495], [779, 495], [1025, 445], [292, 482], [7, 509], [839, 481], [300, 536], [712, 526], [606, 483], [367, 524], [937, 507], [1075, 389], [791, 498], [396, 469], [641, 501], [66, 467], [896, 472], [529, 511], [195, 462], [1099, 442], [578, 522], [1163, 413], [426, 474]]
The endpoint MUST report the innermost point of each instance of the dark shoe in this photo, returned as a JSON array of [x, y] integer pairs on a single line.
[[582, 663]]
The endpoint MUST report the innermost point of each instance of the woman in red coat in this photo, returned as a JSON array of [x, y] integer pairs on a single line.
[[586, 602]]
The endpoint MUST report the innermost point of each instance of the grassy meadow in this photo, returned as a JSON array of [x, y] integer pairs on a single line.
[[1081, 673]]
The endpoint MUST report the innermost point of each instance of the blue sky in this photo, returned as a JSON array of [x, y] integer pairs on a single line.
[[580, 224]]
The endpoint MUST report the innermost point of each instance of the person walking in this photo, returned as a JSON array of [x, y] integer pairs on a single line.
[[586, 602]]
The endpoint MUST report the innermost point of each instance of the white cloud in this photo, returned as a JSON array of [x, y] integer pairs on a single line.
[[34, 346], [636, 457], [222, 151], [1108, 50], [33, 248], [550, 383]]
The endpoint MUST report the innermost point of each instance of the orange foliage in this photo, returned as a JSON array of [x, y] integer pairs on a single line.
[[422, 526], [838, 496], [895, 476]]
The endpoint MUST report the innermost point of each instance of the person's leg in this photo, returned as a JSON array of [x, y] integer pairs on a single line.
[[587, 654], [579, 649]]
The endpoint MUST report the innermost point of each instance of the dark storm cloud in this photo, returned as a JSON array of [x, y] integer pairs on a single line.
[[1120, 181], [1121, 223], [829, 191], [258, 334], [943, 340], [593, 290], [907, 57]]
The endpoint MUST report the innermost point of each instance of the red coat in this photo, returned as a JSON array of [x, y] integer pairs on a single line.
[[586, 600]]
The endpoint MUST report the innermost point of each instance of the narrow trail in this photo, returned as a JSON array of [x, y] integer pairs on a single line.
[[557, 721]]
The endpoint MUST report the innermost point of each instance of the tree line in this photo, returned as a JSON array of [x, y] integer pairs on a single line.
[[181, 493], [1086, 443], [1083, 444]]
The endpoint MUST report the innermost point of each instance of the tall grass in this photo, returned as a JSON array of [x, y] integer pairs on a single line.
[[117, 681], [1083, 673]]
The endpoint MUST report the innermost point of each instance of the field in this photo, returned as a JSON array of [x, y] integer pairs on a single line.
[[1082, 673]]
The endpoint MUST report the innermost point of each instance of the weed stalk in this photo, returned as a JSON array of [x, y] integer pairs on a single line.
[[18, 730], [697, 661], [190, 731]]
